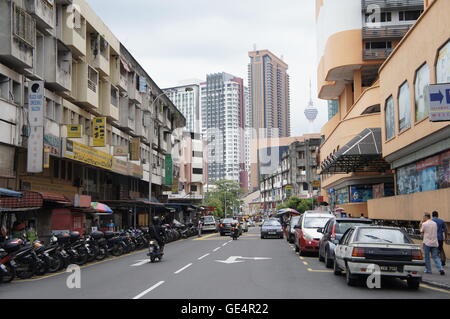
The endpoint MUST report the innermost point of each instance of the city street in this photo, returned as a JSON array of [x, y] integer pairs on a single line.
[[208, 268]]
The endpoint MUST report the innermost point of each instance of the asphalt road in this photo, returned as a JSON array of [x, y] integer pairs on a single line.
[[191, 269]]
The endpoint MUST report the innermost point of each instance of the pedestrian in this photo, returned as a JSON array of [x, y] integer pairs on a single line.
[[442, 235], [31, 234], [362, 216], [428, 228], [200, 225]]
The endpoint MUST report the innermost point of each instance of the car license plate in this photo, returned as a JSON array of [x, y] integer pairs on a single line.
[[390, 268], [272, 233]]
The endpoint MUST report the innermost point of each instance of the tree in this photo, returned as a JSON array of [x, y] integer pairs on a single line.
[[299, 204], [225, 198]]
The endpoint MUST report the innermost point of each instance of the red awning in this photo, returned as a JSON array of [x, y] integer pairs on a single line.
[[31, 200]]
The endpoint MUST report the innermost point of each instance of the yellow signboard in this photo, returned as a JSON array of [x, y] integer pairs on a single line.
[[316, 184], [74, 131], [88, 155], [99, 131], [136, 149]]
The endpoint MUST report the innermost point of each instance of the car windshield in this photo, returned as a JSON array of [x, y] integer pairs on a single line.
[[315, 222], [294, 220], [227, 221], [382, 236], [208, 219], [342, 227], [271, 223]]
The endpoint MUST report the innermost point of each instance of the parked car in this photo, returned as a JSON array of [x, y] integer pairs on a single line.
[[209, 223], [332, 234], [389, 248], [290, 228], [225, 226], [251, 223], [306, 236], [271, 228]]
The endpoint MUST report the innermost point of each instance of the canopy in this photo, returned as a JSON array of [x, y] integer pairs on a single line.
[[101, 209], [287, 211], [9, 193], [361, 154]]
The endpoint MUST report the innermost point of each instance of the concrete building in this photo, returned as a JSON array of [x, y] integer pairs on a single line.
[[296, 174], [223, 118], [269, 94], [87, 134], [187, 99], [400, 159]]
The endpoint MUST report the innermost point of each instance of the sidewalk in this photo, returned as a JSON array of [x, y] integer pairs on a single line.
[[436, 279]]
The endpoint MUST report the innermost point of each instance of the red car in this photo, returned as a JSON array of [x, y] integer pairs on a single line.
[[307, 238]]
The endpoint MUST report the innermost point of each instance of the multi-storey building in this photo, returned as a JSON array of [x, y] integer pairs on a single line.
[[187, 99], [90, 126], [296, 174], [269, 94], [223, 117], [381, 149]]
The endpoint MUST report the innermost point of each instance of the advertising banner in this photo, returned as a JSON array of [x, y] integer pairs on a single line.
[[168, 180], [87, 155], [36, 103], [99, 131], [73, 131]]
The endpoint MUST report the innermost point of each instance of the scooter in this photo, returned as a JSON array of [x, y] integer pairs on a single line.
[[154, 251]]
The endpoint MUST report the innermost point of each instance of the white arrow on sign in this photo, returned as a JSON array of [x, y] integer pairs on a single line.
[[234, 259]]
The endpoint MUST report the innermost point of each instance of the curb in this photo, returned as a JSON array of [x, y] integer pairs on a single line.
[[436, 284]]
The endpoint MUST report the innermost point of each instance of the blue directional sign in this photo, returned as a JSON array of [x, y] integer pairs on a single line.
[[438, 100]]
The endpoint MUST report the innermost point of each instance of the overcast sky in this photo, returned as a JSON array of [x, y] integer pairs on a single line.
[[175, 40]]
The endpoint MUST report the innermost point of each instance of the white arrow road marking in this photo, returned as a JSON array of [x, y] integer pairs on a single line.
[[180, 270], [140, 262], [204, 256], [148, 290], [234, 259]]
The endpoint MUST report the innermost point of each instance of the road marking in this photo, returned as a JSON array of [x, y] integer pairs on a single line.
[[324, 271], [148, 290], [140, 262], [216, 249], [434, 288], [302, 258], [305, 263], [206, 237], [203, 256], [225, 244], [184, 268], [234, 259]]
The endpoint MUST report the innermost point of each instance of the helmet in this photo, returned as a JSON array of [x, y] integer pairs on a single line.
[[156, 220]]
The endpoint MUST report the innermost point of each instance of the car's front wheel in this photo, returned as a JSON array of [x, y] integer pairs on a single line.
[[321, 259], [337, 270]]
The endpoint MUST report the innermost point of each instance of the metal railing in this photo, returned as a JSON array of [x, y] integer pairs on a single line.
[[392, 3], [386, 32], [376, 54]]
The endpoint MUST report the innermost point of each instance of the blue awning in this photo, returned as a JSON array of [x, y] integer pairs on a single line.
[[9, 193]]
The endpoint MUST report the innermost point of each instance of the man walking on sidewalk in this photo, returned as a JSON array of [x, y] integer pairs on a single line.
[[442, 235], [428, 228]]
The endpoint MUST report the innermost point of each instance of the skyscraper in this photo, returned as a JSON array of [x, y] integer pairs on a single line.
[[223, 123], [269, 94]]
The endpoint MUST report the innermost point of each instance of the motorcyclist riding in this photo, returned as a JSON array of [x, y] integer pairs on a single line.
[[157, 233]]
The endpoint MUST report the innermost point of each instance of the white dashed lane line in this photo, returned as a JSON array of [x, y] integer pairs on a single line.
[[184, 268], [216, 249], [204, 256], [142, 294]]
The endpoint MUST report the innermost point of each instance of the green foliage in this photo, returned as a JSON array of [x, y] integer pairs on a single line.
[[299, 204], [225, 194]]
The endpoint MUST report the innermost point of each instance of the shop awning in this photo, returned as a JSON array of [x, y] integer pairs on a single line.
[[32, 200], [182, 206], [9, 193], [361, 154]]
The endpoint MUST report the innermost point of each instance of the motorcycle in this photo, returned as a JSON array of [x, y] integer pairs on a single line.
[[7, 271], [154, 251], [22, 258], [77, 249], [114, 244], [97, 246], [234, 232]]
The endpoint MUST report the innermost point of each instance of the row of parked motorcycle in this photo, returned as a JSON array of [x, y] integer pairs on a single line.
[[25, 260]]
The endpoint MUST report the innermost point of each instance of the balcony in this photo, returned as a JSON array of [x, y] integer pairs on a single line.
[[123, 82], [58, 65], [44, 13], [99, 54], [376, 54], [393, 4], [385, 33], [133, 93], [74, 31], [87, 84], [109, 101], [17, 41]]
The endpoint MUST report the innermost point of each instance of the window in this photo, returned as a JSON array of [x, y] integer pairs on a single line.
[[443, 65], [404, 108], [422, 80], [92, 79], [24, 26], [384, 17], [410, 15], [379, 45], [194, 188], [389, 118]]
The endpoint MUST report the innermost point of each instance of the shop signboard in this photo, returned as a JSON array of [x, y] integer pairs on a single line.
[[99, 131], [73, 131], [121, 150], [35, 152], [168, 180], [136, 149], [53, 144], [438, 100], [87, 155]]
